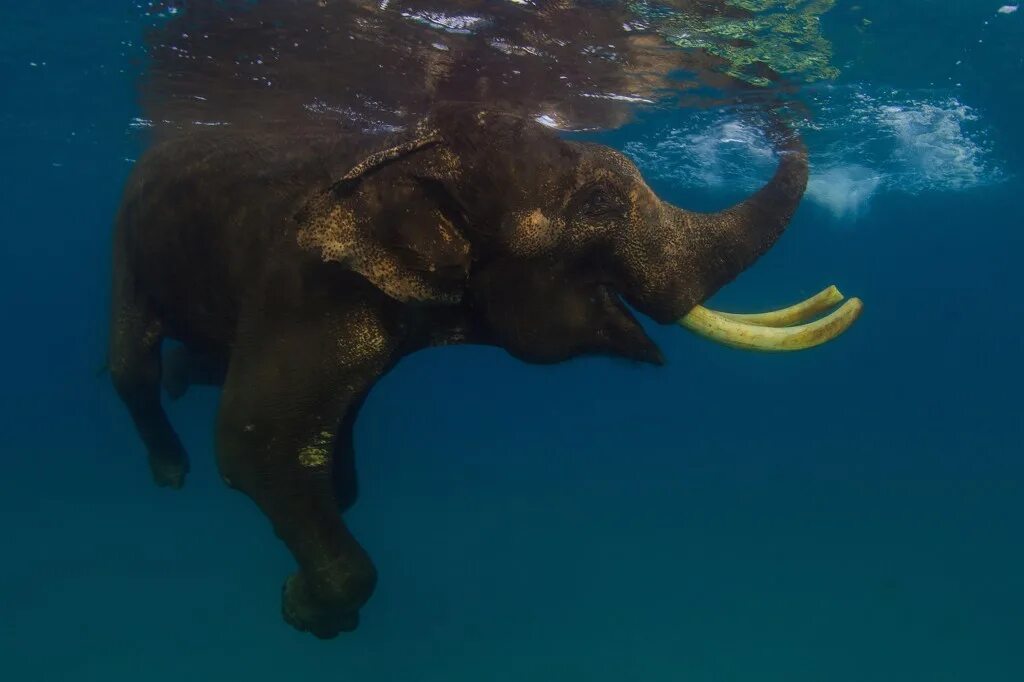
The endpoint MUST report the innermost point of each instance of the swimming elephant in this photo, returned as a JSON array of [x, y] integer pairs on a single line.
[[306, 265]]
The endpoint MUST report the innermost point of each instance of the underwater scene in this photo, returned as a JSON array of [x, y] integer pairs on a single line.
[[504, 340]]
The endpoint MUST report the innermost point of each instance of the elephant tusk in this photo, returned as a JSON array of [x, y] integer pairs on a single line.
[[725, 329], [795, 314]]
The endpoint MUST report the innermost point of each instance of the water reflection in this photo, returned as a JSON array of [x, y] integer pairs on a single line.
[[378, 65]]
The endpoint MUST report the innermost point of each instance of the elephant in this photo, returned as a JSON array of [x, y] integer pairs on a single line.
[[298, 268]]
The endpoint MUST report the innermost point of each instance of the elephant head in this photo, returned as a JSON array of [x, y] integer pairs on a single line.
[[544, 241]]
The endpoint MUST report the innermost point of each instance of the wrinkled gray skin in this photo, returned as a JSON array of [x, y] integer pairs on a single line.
[[298, 270]]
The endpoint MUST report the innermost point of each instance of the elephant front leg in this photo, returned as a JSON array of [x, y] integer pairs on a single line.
[[290, 393], [343, 469]]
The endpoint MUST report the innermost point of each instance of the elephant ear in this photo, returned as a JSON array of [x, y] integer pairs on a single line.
[[385, 220]]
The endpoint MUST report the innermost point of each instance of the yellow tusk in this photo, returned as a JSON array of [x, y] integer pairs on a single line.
[[794, 314], [730, 332]]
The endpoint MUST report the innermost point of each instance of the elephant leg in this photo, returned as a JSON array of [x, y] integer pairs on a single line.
[[135, 367], [344, 475], [290, 388]]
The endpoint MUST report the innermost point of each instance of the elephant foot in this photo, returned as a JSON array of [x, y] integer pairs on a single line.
[[169, 472], [307, 614]]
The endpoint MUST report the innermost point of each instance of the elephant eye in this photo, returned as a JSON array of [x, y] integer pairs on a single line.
[[599, 202]]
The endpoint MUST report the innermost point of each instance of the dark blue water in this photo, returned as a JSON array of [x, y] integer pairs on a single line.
[[848, 514]]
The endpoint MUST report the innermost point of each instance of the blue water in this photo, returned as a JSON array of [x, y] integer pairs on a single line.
[[854, 513]]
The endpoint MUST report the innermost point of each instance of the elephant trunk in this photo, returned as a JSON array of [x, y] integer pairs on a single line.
[[692, 255]]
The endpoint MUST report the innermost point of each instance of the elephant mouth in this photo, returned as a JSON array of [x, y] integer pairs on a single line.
[[797, 327]]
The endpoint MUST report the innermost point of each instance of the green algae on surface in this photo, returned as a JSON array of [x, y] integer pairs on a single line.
[[784, 35]]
